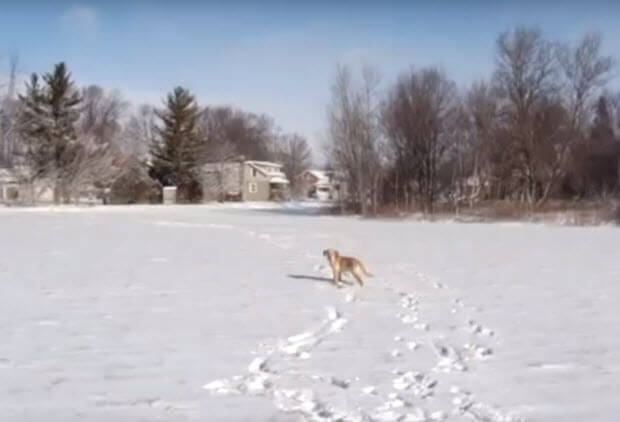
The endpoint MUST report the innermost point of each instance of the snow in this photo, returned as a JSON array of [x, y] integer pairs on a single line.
[[279, 179], [228, 313]]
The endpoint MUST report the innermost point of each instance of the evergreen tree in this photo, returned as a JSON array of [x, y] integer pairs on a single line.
[[48, 119], [175, 150]]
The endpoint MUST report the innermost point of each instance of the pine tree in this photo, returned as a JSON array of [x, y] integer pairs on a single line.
[[175, 150], [48, 119]]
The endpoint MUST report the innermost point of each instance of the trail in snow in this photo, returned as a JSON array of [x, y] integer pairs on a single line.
[[302, 392], [269, 375]]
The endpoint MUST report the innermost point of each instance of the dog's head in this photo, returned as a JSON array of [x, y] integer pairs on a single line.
[[330, 254]]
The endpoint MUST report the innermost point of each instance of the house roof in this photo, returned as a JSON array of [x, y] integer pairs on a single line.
[[321, 176], [274, 173], [279, 179], [261, 165], [264, 163]]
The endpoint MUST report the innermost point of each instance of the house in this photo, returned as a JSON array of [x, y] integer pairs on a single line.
[[244, 180], [15, 189], [323, 185]]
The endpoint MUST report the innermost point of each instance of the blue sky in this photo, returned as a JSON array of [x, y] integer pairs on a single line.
[[276, 57]]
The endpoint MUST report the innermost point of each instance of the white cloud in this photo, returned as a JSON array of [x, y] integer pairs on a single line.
[[82, 19]]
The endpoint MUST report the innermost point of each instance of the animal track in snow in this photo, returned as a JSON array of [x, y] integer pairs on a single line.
[[448, 358], [412, 345], [410, 303], [421, 385], [350, 297], [465, 404], [408, 319], [477, 351], [261, 379], [310, 408], [431, 280], [476, 328]]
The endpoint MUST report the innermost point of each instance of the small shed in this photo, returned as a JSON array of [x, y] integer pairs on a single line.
[[169, 195]]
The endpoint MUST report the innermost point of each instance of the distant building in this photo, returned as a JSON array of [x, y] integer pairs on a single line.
[[169, 194], [244, 180], [320, 184], [15, 189]]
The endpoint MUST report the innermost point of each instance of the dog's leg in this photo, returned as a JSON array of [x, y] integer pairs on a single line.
[[337, 276], [358, 277]]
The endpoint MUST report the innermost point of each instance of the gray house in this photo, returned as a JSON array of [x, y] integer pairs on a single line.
[[14, 188], [244, 180]]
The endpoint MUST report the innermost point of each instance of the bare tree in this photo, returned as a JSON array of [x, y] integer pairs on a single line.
[[139, 131], [526, 80], [487, 156], [101, 114], [9, 110], [98, 160], [94, 168], [546, 93], [214, 174], [295, 155], [594, 166], [585, 73], [251, 134], [354, 137], [458, 175], [418, 118], [217, 151]]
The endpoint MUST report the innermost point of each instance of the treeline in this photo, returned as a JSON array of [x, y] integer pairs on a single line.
[[54, 135], [543, 126]]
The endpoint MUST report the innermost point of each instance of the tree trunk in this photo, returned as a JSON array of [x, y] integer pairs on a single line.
[[57, 194]]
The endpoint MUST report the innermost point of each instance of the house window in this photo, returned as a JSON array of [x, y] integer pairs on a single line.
[[254, 172], [252, 187]]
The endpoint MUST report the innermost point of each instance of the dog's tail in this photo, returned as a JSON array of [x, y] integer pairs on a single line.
[[363, 267]]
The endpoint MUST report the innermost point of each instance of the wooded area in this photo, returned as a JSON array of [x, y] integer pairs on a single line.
[[543, 126]]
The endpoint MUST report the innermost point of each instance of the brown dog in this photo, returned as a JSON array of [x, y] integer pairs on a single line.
[[341, 264]]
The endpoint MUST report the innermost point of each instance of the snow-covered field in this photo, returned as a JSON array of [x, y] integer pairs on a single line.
[[210, 313]]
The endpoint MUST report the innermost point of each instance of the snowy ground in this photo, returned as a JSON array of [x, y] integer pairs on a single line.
[[207, 313]]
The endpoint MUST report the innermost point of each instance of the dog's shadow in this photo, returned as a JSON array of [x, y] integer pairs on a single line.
[[315, 278]]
